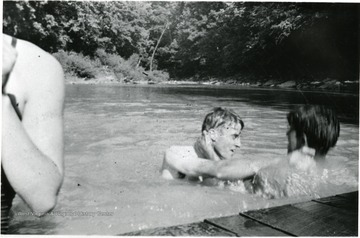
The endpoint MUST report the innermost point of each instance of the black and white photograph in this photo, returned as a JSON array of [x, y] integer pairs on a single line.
[[180, 118]]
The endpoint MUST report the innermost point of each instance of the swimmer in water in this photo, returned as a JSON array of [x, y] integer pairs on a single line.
[[211, 155], [313, 131]]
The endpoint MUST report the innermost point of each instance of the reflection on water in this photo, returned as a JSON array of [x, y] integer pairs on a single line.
[[115, 137]]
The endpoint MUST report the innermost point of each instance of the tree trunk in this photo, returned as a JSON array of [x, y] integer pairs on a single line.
[[157, 44], [139, 61]]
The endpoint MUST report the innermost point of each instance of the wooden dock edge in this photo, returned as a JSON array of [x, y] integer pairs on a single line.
[[330, 216]]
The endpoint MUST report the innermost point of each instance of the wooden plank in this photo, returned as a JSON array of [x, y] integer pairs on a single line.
[[193, 229], [331, 216], [295, 221], [352, 196], [351, 205], [345, 221], [243, 226]]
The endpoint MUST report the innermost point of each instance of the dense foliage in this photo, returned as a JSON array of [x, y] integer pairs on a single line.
[[280, 40]]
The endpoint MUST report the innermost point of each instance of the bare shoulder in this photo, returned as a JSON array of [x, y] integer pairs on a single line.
[[36, 80], [30, 51], [40, 75], [181, 152], [40, 66], [175, 160]]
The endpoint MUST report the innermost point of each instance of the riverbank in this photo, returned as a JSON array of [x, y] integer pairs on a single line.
[[322, 85]]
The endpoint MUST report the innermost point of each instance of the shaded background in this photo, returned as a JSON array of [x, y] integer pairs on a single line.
[[297, 41]]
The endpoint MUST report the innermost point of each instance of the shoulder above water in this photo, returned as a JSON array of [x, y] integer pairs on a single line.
[[181, 151]]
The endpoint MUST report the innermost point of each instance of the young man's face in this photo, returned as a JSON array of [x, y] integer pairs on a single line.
[[227, 140]]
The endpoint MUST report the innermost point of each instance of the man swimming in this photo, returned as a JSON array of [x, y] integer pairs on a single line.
[[212, 152], [313, 131]]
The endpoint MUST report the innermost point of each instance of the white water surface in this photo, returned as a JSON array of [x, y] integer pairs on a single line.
[[115, 137]]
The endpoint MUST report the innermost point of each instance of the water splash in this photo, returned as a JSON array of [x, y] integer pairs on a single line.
[[282, 180]]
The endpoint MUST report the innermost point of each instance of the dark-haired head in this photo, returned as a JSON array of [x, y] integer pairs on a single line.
[[219, 117], [318, 123]]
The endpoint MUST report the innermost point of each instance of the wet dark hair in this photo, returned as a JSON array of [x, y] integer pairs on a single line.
[[318, 123], [219, 116]]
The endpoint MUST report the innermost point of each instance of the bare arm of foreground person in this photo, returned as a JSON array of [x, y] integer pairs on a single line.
[[32, 149], [8, 60]]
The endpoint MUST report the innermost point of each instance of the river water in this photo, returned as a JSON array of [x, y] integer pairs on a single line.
[[115, 137]]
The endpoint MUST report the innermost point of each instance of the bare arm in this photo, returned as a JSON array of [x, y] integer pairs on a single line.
[[172, 166], [180, 160], [224, 169], [8, 60], [32, 149], [235, 169], [183, 160]]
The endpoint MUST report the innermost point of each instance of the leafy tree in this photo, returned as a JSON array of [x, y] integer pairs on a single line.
[[198, 38], [39, 22]]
